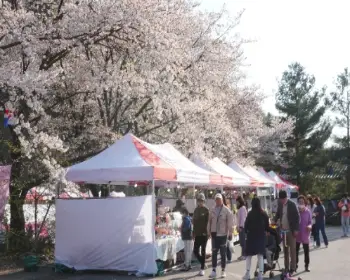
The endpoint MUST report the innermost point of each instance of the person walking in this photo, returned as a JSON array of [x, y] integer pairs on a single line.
[[303, 237], [200, 233], [312, 206], [219, 229], [186, 235], [344, 205], [288, 217], [228, 250], [241, 218], [256, 226], [320, 223]]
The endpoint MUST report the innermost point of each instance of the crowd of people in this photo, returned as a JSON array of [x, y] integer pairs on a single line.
[[259, 235]]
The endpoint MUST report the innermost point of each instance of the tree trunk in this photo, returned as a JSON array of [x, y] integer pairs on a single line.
[[17, 223], [17, 197]]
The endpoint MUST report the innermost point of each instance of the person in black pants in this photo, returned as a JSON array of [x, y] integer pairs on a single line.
[[200, 234]]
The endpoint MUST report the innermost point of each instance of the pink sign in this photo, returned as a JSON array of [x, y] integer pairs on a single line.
[[5, 175]]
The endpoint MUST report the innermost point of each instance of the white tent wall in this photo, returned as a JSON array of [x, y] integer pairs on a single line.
[[106, 234]]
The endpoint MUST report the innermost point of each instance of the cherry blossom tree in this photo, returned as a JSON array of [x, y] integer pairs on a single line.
[[80, 74]]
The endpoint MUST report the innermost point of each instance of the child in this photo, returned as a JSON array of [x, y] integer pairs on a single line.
[[186, 235], [271, 247]]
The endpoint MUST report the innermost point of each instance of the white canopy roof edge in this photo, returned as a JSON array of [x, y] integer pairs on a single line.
[[255, 181], [251, 171], [230, 176], [187, 171], [280, 180], [131, 159], [267, 176]]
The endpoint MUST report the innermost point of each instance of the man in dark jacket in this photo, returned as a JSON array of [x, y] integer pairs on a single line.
[[289, 219], [200, 223]]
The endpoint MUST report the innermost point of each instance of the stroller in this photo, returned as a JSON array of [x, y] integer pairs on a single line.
[[275, 255]]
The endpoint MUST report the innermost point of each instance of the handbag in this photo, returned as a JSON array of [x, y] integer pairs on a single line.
[[231, 246]]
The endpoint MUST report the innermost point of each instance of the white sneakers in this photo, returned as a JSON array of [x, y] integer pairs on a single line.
[[246, 276], [213, 274], [201, 272]]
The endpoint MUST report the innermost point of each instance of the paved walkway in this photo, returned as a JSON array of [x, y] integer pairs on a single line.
[[326, 263]]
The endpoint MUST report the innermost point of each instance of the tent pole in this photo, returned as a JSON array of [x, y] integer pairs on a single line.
[[153, 188], [194, 195]]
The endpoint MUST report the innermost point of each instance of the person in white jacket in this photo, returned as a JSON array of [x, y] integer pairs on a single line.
[[241, 217], [219, 229]]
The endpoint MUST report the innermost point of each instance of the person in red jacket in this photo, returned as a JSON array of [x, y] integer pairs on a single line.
[[344, 205]]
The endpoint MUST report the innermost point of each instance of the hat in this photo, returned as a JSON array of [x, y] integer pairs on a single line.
[[282, 194], [201, 197], [218, 196]]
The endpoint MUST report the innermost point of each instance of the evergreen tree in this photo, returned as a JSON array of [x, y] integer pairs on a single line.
[[341, 106], [298, 100]]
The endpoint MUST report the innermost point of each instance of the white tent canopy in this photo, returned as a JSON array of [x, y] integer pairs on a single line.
[[187, 171], [251, 171], [267, 176], [131, 159], [283, 183], [255, 181], [230, 176]]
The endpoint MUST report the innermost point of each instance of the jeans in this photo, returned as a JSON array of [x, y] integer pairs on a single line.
[[306, 253], [228, 253], [321, 227], [269, 255], [188, 252], [289, 249], [200, 242], [345, 225], [242, 240], [218, 243]]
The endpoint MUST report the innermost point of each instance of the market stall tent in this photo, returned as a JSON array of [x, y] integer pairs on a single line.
[[278, 184], [131, 159], [229, 176], [187, 171], [251, 171], [253, 179], [282, 182]]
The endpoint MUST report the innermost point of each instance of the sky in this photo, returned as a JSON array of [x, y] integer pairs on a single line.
[[314, 33]]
